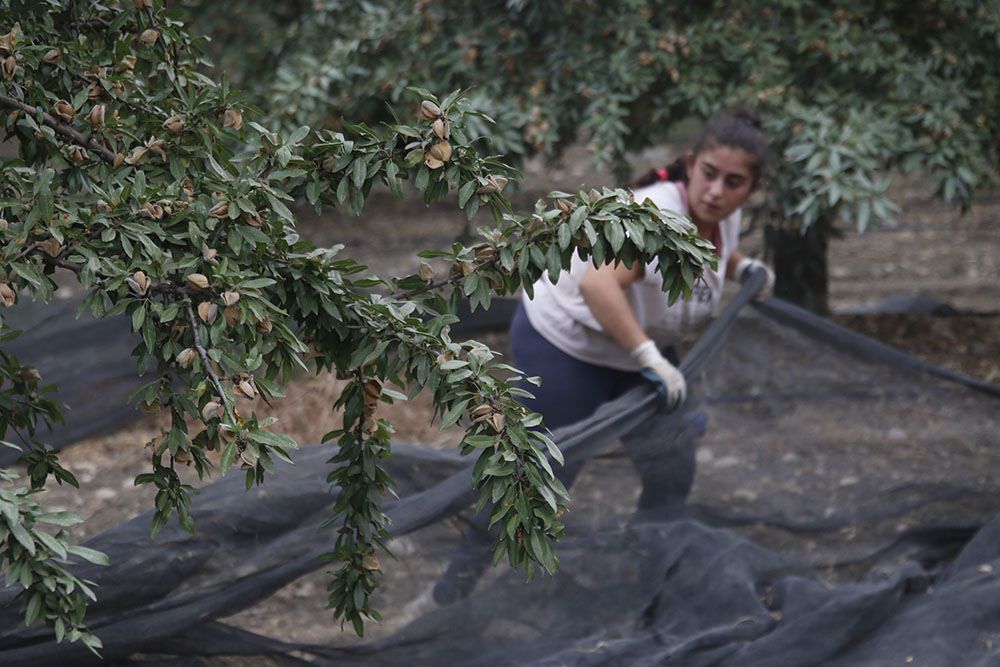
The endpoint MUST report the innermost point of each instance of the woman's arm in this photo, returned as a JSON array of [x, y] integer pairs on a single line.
[[734, 259], [603, 290]]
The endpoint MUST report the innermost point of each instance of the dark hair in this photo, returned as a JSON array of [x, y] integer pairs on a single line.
[[738, 129]]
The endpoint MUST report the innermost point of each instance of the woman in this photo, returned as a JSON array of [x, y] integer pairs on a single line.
[[598, 331]]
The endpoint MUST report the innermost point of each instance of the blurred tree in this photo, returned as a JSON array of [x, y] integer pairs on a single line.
[[850, 91], [145, 180]]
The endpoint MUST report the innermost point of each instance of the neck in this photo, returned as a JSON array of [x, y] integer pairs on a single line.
[[705, 229]]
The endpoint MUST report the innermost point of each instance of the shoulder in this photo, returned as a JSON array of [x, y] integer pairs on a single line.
[[664, 194]]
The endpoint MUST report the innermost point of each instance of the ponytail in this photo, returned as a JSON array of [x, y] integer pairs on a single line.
[[739, 129], [675, 171]]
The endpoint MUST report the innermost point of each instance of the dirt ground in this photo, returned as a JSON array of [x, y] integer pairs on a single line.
[[934, 251]]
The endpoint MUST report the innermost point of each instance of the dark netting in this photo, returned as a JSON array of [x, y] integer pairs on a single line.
[[89, 360], [810, 537]]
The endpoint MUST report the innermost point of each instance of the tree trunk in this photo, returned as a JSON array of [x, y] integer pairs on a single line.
[[800, 265]]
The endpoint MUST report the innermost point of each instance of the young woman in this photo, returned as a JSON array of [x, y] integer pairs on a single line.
[[597, 332]]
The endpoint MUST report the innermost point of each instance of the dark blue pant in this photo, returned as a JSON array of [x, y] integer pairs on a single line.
[[662, 449]]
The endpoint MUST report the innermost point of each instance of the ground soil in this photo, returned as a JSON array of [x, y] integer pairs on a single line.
[[934, 251]]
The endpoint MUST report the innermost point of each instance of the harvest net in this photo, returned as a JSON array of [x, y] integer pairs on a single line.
[[814, 532]]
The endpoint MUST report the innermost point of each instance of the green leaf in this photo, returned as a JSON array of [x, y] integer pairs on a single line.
[[480, 441], [565, 236], [228, 456], [33, 609], [51, 543], [452, 414], [89, 555], [553, 450], [138, 317], [273, 439], [280, 208], [615, 235], [298, 135], [29, 273], [423, 177], [23, 536], [63, 519], [465, 192], [257, 283]]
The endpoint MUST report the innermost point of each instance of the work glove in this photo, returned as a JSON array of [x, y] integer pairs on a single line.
[[668, 379], [745, 268]]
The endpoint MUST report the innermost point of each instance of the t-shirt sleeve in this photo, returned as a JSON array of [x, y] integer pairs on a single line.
[[666, 196]]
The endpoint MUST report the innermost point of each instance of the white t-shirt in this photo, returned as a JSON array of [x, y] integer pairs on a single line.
[[559, 313]]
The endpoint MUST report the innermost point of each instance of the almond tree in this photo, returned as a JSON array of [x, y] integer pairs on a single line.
[[849, 91], [147, 181]]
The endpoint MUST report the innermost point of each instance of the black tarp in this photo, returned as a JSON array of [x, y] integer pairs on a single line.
[[803, 569]]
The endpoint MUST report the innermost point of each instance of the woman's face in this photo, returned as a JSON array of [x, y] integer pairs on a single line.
[[720, 179]]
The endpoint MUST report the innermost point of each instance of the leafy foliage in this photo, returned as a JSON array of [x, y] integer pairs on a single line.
[[849, 91], [146, 180]]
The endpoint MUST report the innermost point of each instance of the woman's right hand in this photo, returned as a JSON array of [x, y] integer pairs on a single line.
[[668, 378]]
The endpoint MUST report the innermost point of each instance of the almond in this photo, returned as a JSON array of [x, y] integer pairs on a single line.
[[232, 315], [211, 410], [186, 357], [565, 205], [209, 254], [426, 272], [137, 156], [197, 281], [429, 110], [441, 151], [245, 388], [63, 110], [220, 210], [440, 127], [51, 246], [77, 154], [96, 115], [126, 65], [484, 252], [158, 146], [151, 211], [208, 311], [149, 36], [232, 118], [139, 282], [7, 295], [174, 124], [497, 421]]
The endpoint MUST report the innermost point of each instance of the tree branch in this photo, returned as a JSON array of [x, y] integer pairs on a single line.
[[163, 47], [60, 128], [425, 288], [207, 363]]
